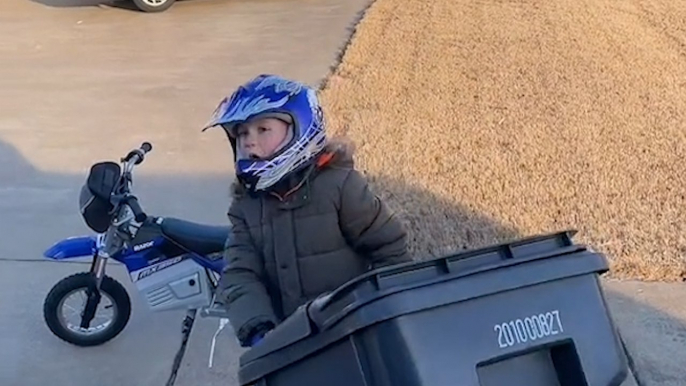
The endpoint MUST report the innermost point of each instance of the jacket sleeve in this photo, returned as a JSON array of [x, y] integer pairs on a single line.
[[369, 225], [241, 289]]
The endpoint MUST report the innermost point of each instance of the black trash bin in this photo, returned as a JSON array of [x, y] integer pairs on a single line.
[[526, 313]]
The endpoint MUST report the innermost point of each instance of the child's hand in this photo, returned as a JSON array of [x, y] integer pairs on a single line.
[[259, 335], [256, 339]]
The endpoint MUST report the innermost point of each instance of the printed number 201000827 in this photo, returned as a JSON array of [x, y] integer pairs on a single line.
[[531, 328]]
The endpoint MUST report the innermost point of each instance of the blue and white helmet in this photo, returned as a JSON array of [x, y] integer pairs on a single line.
[[273, 96]]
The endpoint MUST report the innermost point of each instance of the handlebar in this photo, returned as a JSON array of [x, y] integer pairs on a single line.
[[135, 157], [140, 216]]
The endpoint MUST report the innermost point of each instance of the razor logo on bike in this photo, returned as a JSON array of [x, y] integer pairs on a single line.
[[145, 245], [142, 274]]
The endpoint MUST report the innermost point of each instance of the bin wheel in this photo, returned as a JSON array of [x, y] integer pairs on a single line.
[[153, 5]]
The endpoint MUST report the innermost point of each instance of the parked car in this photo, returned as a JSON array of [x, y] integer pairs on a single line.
[[153, 5]]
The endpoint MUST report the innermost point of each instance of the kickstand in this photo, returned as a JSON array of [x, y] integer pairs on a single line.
[[222, 323], [185, 334]]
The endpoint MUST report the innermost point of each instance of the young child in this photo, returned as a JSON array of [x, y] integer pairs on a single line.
[[304, 221]]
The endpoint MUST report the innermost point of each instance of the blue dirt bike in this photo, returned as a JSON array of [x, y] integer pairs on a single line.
[[174, 264]]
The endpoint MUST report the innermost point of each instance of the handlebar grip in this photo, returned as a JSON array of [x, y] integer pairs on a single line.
[[137, 210], [137, 155], [146, 147]]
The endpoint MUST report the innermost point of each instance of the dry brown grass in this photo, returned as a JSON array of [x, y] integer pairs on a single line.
[[535, 115]]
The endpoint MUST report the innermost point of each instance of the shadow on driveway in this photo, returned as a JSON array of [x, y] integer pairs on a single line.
[[40, 208]]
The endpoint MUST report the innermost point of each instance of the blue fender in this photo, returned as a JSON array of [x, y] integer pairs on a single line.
[[72, 247]]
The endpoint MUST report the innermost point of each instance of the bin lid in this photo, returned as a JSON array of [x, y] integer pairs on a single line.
[[335, 315]]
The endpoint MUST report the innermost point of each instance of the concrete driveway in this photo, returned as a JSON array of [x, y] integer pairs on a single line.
[[80, 83]]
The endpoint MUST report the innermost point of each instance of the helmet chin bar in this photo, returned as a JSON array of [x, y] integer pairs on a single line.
[[249, 183]]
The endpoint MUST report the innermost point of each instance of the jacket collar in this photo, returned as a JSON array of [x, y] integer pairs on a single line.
[[294, 190]]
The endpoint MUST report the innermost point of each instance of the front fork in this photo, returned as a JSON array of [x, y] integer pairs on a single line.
[[93, 292]]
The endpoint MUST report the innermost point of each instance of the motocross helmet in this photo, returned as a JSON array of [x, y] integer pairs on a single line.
[[273, 96]]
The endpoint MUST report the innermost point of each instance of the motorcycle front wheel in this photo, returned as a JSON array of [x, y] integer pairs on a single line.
[[65, 304]]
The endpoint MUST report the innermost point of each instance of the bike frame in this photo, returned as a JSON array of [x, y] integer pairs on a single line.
[[92, 246]]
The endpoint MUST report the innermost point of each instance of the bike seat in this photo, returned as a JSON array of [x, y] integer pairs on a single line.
[[199, 238]]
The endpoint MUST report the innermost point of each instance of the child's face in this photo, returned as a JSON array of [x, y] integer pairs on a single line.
[[261, 138]]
